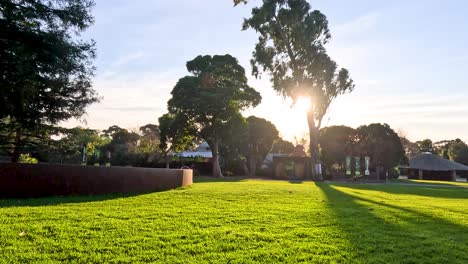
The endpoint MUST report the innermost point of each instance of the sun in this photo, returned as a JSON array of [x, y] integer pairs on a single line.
[[303, 104], [294, 121]]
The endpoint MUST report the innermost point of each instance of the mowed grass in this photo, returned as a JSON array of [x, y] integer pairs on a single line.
[[242, 222], [426, 182]]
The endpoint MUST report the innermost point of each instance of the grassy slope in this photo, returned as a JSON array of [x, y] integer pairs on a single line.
[[241, 222]]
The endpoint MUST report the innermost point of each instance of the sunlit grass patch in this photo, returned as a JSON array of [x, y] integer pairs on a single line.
[[446, 183], [242, 221]]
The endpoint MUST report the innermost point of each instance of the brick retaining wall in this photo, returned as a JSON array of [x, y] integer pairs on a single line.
[[39, 180]]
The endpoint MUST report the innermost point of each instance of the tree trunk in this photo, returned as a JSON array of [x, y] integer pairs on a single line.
[[16, 150], [216, 167], [252, 166], [314, 151], [166, 157], [245, 168], [379, 169]]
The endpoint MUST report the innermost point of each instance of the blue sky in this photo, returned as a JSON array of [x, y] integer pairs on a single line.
[[408, 60]]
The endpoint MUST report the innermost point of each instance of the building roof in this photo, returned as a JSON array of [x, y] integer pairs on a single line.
[[203, 147], [431, 162], [188, 154], [203, 150]]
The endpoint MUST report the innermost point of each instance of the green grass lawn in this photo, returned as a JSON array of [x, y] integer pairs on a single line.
[[242, 222], [446, 183]]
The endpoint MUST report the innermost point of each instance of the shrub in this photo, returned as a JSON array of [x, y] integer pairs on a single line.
[[26, 158]]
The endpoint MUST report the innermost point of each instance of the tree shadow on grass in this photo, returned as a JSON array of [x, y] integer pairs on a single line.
[[384, 233], [57, 200], [428, 191], [200, 179], [296, 181], [72, 199]]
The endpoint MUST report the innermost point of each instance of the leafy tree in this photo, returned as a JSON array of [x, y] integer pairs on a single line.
[[34, 141], [234, 146], [261, 136], [45, 69], [26, 158], [149, 140], [425, 145], [236, 2], [175, 135], [382, 144], [214, 93], [246, 143], [69, 148], [336, 142], [125, 137], [150, 131], [411, 148], [282, 146], [123, 146], [147, 152], [442, 147], [458, 152], [291, 50], [111, 131]]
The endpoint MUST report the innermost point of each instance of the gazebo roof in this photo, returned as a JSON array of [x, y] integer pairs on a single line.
[[431, 162]]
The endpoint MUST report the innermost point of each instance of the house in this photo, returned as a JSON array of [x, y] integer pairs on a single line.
[[202, 153]]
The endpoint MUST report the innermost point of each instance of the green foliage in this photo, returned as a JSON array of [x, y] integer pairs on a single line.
[[234, 221], [45, 68], [236, 2], [26, 158], [175, 135], [35, 140], [246, 144], [411, 148], [378, 141], [382, 144], [234, 146], [442, 147], [282, 146], [69, 147], [148, 145], [111, 131], [291, 50], [123, 146], [458, 152], [261, 136], [336, 143], [209, 98], [425, 145]]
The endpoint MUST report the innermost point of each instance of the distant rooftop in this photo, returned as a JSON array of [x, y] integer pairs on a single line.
[[430, 162]]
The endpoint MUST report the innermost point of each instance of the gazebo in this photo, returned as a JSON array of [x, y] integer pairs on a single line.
[[428, 166]]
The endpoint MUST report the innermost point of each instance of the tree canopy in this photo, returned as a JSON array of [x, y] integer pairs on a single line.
[[209, 98], [175, 135], [260, 138], [291, 50], [458, 152], [425, 145], [45, 68], [282, 146], [336, 142], [236, 2], [411, 148], [382, 144]]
